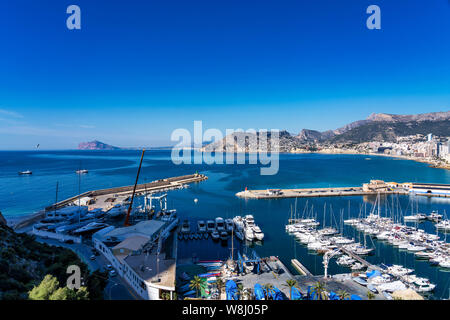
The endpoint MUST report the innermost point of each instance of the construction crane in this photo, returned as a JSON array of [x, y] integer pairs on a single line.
[[127, 219]]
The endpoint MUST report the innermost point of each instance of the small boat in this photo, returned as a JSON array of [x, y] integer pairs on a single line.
[[82, 171], [210, 226], [257, 233], [415, 217], [91, 227], [215, 235], [224, 236], [185, 227], [220, 224], [201, 226], [27, 172], [229, 225], [360, 281], [372, 288], [387, 295], [239, 234]]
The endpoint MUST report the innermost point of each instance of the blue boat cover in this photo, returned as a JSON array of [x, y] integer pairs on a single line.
[[334, 296], [276, 294], [373, 273], [259, 292], [355, 297], [231, 290], [296, 294]]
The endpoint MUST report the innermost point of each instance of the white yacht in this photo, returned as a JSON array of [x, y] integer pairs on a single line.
[[238, 222], [249, 235], [415, 217], [91, 227], [82, 171], [258, 234], [27, 172]]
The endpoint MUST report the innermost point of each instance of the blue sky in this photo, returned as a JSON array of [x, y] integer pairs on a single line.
[[139, 69]]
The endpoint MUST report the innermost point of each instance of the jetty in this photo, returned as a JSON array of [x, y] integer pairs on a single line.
[[300, 268], [373, 188], [106, 198]]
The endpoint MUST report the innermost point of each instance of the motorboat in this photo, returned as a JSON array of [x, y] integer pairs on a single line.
[[372, 288], [27, 172], [345, 261], [201, 226], [117, 211], [351, 222], [434, 216], [239, 233], [81, 171], [220, 224], [249, 221], [415, 217], [91, 227], [360, 281], [185, 227], [210, 226], [229, 225], [223, 235], [249, 234], [443, 225], [215, 235], [357, 266], [398, 270], [257, 233], [238, 222]]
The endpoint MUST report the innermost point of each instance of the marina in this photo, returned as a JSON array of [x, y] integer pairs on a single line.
[[205, 235]]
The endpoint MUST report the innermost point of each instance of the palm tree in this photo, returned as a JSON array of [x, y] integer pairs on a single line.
[[267, 287], [219, 284], [197, 284], [319, 289], [370, 295], [290, 283], [343, 295], [240, 290]]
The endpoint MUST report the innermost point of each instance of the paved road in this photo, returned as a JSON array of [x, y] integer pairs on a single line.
[[116, 288]]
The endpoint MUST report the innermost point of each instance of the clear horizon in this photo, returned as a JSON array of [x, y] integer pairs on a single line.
[[137, 70]]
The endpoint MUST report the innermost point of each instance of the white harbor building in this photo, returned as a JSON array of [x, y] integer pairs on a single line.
[[144, 255]]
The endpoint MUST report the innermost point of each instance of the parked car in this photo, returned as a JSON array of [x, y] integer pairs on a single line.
[[109, 267], [112, 273], [92, 257]]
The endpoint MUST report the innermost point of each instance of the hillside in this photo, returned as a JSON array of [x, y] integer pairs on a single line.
[[24, 262], [389, 131]]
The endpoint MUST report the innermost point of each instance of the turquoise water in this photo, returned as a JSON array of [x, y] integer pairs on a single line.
[[22, 195]]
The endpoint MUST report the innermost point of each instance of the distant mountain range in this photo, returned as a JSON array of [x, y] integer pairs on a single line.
[[377, 127], [96, 145]]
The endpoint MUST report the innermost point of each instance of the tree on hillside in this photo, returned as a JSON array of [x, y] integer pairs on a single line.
[[49, 289]]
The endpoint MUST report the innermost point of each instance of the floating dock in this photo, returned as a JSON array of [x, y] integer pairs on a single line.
[[300, 268]]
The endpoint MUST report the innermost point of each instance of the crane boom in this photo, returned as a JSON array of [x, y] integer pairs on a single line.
[[126, 223]]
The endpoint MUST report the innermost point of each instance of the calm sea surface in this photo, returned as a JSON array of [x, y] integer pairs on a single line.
[[22, 195]]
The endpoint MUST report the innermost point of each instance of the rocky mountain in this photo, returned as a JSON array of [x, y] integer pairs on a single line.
[[96, 145], [377, 127]]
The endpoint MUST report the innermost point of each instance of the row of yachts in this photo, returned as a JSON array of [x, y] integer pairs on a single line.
[[244, 228], [441, 223], [424, 245]]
